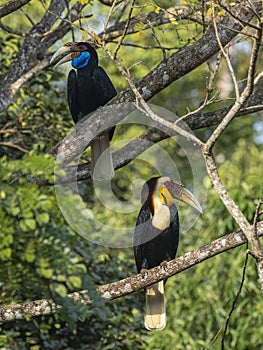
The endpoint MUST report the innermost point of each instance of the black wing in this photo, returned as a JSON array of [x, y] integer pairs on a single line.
[[174, 236], [72, 95], [139, 237], [103, 86], [104, 89]]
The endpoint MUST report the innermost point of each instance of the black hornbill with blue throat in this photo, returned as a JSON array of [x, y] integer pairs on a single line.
[[89, 87], [156, 238]]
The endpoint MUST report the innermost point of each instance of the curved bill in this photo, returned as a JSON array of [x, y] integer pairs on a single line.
[[66, 53], [178, 191]]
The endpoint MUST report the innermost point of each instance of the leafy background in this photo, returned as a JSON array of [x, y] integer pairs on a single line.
[[42, 257]]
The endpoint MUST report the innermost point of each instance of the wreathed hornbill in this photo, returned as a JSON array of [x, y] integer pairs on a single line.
[[89, 87], [156, 238]]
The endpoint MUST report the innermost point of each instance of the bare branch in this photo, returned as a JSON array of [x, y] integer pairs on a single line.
[[186, 59], [225, 197], [207, 149], [114, 2], [234, 302], [132, 284], [256, 248], [110, 2], [13, 145], [11, 6], [226, 55], [144, 107], [125, 29], [151, 19], [240, 99], [180, 63], [31, 57]]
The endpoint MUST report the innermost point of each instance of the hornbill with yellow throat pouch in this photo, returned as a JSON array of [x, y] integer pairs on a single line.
[[156, 238], [89, 87]]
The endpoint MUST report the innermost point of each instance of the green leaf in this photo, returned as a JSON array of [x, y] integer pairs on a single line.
[[30, 223], [23, 226], [42, 218], [6, 253], [60, 289], [14, 211], [75, 281], [30, 252], [45, 272]]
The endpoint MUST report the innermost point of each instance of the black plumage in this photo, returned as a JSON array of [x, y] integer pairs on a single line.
[[162, 247], [156, 239], [153, 246], [89, 88]]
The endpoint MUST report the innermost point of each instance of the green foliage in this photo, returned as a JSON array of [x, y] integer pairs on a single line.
[[43, 257], [8, 44]]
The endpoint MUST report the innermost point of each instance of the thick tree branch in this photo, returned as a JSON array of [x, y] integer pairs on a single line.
[[31, 57], [178, 64], [28, 57], [187, 59], [132, 284], [137, 146], [73, 146], [256, 247], [11, 6]]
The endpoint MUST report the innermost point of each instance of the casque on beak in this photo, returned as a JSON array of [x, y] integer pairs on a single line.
[[179, 192], [66, 53]]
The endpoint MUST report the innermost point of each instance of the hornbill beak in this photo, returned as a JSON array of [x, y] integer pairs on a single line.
[[66, 53], [179, 192]]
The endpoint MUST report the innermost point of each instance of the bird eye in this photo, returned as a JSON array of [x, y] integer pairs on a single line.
[[83, 47]]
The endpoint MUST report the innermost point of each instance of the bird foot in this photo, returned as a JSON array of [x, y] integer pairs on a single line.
[[163, 264], [144, 273]]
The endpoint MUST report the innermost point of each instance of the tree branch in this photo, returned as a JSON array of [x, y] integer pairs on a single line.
[[31, 57], [153, 19], [188, 58], [132, 284], [11, 6], [13, 145], [256, 248], [178, 64], [137, 146], [207, 148]]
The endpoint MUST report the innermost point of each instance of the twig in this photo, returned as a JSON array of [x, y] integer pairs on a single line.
[[225, 54], [158, 41], [146, 47], [145, 107], [236, 17], [234, 302], [125, 29], [13, 145], [208, 155], [240, 99], [108, 19], [213, 71], [225, 197], [11, 31], [28, 17]]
